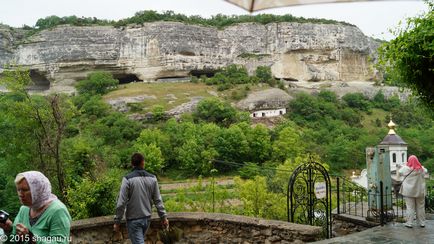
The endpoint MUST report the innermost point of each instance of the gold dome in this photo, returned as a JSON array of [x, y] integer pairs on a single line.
[[391, 126]]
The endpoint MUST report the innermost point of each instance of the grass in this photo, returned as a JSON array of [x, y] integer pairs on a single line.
[[182, 92], [170, 95], [201, 196], [196, 189], [369, 123]]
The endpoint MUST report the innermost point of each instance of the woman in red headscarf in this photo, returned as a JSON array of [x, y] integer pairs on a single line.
[[414, 191]]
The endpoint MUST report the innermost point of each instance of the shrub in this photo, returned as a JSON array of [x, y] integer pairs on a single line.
[[94, 198], [216, 111], [264, 74], [249, 170], [357, 100], [97, 83]]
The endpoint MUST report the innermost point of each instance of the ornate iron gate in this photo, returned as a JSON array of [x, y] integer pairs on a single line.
[[309, 198]]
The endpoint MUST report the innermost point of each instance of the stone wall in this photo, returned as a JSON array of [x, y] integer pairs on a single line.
[[201, 228], [344, 224]]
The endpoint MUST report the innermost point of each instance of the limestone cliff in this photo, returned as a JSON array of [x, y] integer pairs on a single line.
[[294, 51], [272, 98]]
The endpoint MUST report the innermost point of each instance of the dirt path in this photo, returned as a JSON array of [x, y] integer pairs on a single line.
[[181, 185]]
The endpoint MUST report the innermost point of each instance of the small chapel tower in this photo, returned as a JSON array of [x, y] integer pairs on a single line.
[[396, 146]]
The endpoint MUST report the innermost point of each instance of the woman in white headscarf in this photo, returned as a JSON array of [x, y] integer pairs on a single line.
[[43, 218]]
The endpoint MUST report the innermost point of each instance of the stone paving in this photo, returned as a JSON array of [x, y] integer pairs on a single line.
[[391, 233]]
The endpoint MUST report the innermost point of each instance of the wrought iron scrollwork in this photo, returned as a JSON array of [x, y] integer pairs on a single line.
[[305, 204]]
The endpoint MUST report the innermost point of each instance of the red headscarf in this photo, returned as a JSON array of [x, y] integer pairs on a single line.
[[414, 163]]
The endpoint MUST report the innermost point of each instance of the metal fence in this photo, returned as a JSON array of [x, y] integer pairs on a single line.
[[352, 199]]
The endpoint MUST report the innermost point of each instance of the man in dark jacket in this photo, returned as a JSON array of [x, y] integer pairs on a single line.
[[138, 191]]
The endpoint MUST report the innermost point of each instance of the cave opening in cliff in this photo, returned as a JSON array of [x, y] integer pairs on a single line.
[[126, 78], [40, 82], [173, 79], [199, 73], [289, 79]]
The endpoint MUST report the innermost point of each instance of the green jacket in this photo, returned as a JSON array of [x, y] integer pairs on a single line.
[[53, 226]]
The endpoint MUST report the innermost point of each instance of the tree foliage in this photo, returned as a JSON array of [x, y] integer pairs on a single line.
[[215, 111], [264, 74], [154, 161], [96, 142], [232, 75], [93, 198], [41, 121], [288, 144], [408, 60], [357, 101], [52, 21], [97, 83], [219, 21]]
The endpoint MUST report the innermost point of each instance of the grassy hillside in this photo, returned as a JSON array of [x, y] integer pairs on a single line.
[[170, 95], [374, 120]]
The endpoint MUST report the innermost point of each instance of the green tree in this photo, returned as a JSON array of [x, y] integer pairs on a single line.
[[259, 140], [410, 115], [48, 22], [95, 106], [279, 183], [80, 158], [264, 74], [94, 198], [97, 83], [215, 111], [287, 145], [157, 137], [339, 154], [8, 193], [114, 129], [328, 96], [307, 108], [379, 99], [208, 132], [408, 60], [158, 112], [154, 161], [258, 201], [249, 170], [254, 195], [357, 100], [194, 158], [232, 146], [47, 118]]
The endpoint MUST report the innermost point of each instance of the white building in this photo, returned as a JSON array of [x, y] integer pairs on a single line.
[[265, 103], [397, 147], [397, 155], [268, 113]]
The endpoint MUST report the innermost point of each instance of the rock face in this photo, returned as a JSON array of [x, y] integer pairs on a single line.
[[187, 107], [368, 89], [294, 51], [121, 104], [268, 99], [6, 40]]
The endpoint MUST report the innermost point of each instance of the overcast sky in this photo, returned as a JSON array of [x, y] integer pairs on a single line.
[[373, 18]]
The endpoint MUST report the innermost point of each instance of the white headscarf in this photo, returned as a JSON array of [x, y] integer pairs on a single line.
[[40, 188]]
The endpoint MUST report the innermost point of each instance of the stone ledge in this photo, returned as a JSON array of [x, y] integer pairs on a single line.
[[198, 226], [198, 216], [91, 222], [355, 219]]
